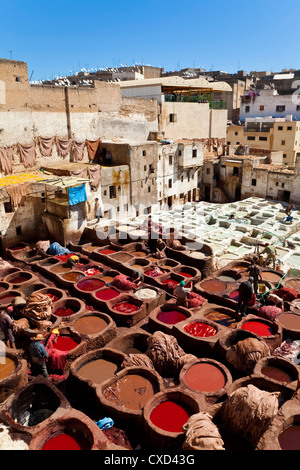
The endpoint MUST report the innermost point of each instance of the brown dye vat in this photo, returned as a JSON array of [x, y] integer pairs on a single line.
[[7, 297], [89, 325], [213, 286], [98, 371], [107, 279], [6, 271], [221, 318], [293, 284], [4, 286], [290, 323], [131, 391], [61, 268], [131, 343], [74, 276], [92, 247], [142, 254], [122, 257], [270, 276]]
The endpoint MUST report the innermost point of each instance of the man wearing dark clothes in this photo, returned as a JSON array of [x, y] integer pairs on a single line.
[[254, 271], [245, 296]]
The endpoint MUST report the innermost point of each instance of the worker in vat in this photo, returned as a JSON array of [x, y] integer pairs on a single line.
[[246, 292], [270, 251], [6, 325], [16, 309], [73, 260], [254, 271], [137, 277], [182, 294], [273, 299], [288, 212], [39, 355]]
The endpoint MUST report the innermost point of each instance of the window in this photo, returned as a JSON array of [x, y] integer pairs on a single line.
[[208, 171], [298, 107], [194, 153], [145, 167], [289, 128], [149, 189], [280, 108], [283, 142], [235, 170], [282, 185], [179, 153], [251, 137], [170, 183], [19, 79], [181, 196], [112, 192], [19, 230], [276, 183], [228, 143], [284, 155], [280, 128], [261, 108], [253, 182], [182, 179], [236, 133], [263, 138], [8, 207], [144, 153], [173, 117], [170, 159], [247, 109]]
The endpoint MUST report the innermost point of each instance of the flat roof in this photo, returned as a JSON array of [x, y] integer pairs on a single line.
[[177, 82]]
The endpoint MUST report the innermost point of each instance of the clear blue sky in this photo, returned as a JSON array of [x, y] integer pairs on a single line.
[[56, 37]]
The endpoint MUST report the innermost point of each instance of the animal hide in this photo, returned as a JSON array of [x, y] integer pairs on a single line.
[[17, 193], [248, 412], [93, 149], [201, 433], [78, 151], [138, 360], [38, 308], [63, 146], [27, 154], [6, 160], [46, 145], [246, 353]]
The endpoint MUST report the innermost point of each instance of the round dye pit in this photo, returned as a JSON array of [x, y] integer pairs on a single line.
[[92, 247], [239, 269], [7, 298], [67, 441], [145, 294], [226, 278], [289, 438], [214, 286], [258, 327], [205, 377], [19, 279], [184, 274], [170, 416], [293, 284], [106, 251], [234, 295], [171, 282], [93, 272], [7, 367], [89, 285], [276, 373], [107, 294], [60, 269], [98, 371], [64, 312], [289, 320], [89, 325], [155, 272], [171, 317], [107, 279], [200, 329], [221, 319], [140, 254], [65, 343], [131, 391], [125, 307], [270, 277], [73, 276]]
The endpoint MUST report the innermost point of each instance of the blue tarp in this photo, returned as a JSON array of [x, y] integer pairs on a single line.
[[77, 194]]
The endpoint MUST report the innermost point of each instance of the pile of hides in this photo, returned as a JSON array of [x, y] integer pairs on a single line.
[[122, 282], [137, 360], [269, 312], [166, 355], [38, 310], [248, 412], [57, 359], [201, 433], [195, 300], [246, 353], [289, 349], [286, 293], [176, 245], [42, 246], [17, 193], [7, 443]]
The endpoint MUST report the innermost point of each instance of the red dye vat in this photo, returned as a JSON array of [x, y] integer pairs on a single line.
[[53, 297], [234, 295], [65, 343], [182, 273], [289, 438], [200, 329], [107, 294], [171, 317], [205, 377], [92, 272], [88, 285], [260, 328], [154, 272], [64, 258], [65, 441], [170, 416], [277, 374], [125, 307], [64, 312], [106, 251], [19, 279], [170, 281]]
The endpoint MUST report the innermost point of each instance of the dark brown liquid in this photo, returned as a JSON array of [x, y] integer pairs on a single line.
[[98, 371]]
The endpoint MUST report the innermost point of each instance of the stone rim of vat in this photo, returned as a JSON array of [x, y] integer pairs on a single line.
[[18, 374], [22, 273], [276, 328], [195, 403], [181, 334], [287, 330], [143, 262], [155, 324], [131, 339], [231, 337], [120, 410], [201, 290], [6, 285], [11, 292], [219, 365], [6, 271], [110, 324], [169, 262], [67, 282], [230, 273], [10, 408], [282, 363], [280, 274], [69, 301], [196, 274], [54, 291], [88, 279], [48, 259], [210, 307], [288, 278], [25, 246], [129, 319]]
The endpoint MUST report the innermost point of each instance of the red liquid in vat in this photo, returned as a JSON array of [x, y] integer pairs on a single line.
[[64, 312], [107, 294], [170, 281], [234, 295], [88, 285], [66, 441], [170, 416], [19, 279], [125, 307], [154, 273], [106, 251], [65, 343], [92, 272], [260, 328], [182, 273], [171, 317], [205, 377], [289, 438], [277, 374], [53, 297], [200, 329]]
